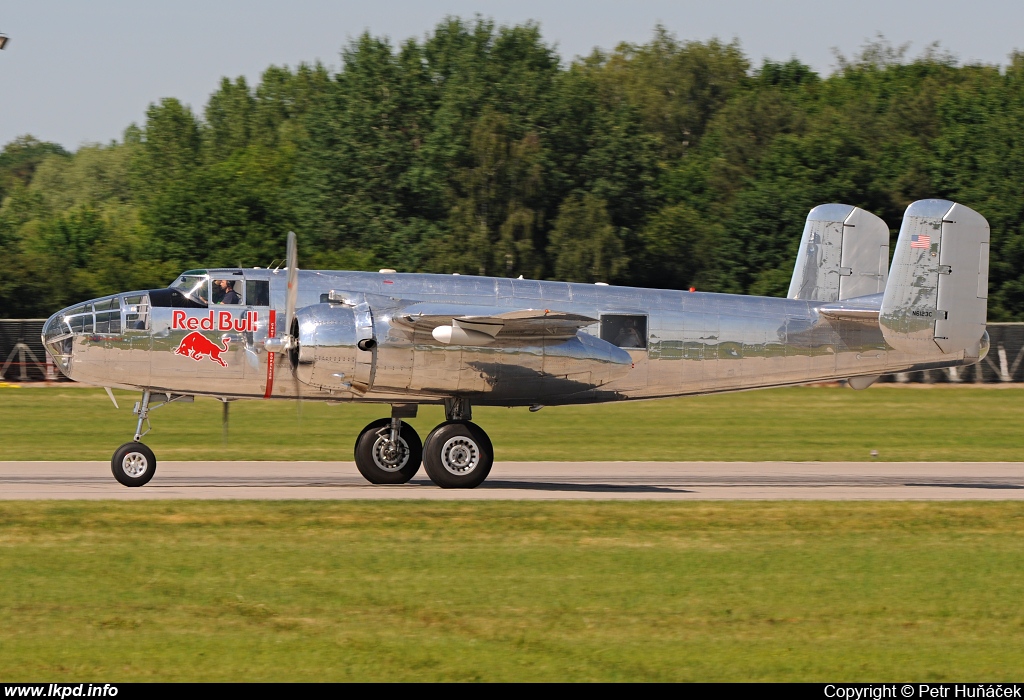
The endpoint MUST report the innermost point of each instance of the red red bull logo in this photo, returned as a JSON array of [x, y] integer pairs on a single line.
[[214, 321], [197, 346]]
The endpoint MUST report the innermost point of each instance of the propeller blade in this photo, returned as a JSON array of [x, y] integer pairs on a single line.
[[293, 284], [292, 297]]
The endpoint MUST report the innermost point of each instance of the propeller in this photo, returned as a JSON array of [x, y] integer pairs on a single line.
[[289, 315], [287, 341], [293, 291]]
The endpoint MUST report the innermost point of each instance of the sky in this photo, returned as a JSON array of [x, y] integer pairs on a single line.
[[80, 72]]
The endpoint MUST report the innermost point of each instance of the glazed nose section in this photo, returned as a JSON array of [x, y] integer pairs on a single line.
[[59, 338]]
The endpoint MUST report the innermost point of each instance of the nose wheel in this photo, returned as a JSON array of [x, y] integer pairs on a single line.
[[133, 464]]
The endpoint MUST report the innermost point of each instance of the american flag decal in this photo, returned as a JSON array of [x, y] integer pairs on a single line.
[[920, 241]]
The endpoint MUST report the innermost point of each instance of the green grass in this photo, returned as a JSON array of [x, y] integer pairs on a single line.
[[944, 423], [314, 591]]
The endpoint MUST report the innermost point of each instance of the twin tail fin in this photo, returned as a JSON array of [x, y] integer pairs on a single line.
[[934, 297], [844, 253], [937, 295]]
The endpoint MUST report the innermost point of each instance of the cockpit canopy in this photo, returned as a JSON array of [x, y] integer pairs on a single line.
[[194, 284], [203, 287]]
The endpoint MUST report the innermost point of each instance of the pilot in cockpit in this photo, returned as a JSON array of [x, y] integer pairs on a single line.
[[230, 296]]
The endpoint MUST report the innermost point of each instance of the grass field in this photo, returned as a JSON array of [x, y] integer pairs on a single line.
[[827, 423], [315, 591], [499, 591]]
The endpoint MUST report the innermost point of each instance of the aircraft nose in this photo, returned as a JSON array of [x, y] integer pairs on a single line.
[[58, 339]]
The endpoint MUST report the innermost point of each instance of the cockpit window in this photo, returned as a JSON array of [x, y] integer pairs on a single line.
[[108, 316], [227, 290], [79, 319], [136, 312], [195, 286]]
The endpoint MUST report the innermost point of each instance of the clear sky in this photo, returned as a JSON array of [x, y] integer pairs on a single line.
[[81, 71]]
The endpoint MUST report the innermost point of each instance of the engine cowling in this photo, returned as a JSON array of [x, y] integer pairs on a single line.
[[336, 349]]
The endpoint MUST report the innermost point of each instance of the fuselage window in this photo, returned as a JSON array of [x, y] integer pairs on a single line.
[[625, 330], [257, 292]]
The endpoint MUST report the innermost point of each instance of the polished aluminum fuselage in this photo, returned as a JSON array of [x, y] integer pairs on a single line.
[[695, 343]]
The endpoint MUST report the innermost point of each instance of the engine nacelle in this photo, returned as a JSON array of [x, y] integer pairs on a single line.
[[335, 348]]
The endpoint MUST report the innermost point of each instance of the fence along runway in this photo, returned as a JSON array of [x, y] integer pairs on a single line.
[[677, 481]]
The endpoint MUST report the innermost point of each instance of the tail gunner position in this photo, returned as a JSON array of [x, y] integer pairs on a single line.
[[460, 341]]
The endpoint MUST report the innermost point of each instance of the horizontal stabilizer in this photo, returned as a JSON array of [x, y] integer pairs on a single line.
[[844, 253], [860, 310], [937, 295]]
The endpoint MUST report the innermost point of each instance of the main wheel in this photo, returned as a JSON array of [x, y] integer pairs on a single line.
[[458, 455], [380, 461], [133, 464]]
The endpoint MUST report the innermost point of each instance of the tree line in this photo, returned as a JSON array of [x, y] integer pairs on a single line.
[[478, 150]]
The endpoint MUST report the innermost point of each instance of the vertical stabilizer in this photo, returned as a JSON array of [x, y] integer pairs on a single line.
[[937, 294], [844, 253]]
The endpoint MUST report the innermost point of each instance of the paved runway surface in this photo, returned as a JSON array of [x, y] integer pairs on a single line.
[[534, 481]]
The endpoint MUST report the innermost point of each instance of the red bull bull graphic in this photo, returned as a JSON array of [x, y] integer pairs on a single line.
[[214, 321], [197, 346]]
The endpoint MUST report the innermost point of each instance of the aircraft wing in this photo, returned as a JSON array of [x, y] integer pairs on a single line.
[[490, 321]]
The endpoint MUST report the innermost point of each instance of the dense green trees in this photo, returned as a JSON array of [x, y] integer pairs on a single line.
[[476, 150]]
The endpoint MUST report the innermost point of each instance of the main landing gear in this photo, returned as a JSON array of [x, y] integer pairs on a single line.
[[457, 454]]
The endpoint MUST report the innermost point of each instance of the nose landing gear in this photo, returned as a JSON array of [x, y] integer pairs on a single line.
[[134, 464]]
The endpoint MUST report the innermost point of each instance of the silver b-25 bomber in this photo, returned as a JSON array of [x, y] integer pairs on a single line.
[[460, 341]]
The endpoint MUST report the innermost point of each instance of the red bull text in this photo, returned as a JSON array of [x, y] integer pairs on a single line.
[[213, 321]]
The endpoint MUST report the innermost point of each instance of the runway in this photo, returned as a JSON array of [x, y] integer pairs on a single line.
[[656, 481]]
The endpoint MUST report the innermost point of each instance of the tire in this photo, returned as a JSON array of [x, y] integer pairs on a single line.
[[375, 465], [133, 464], [458, 455]]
